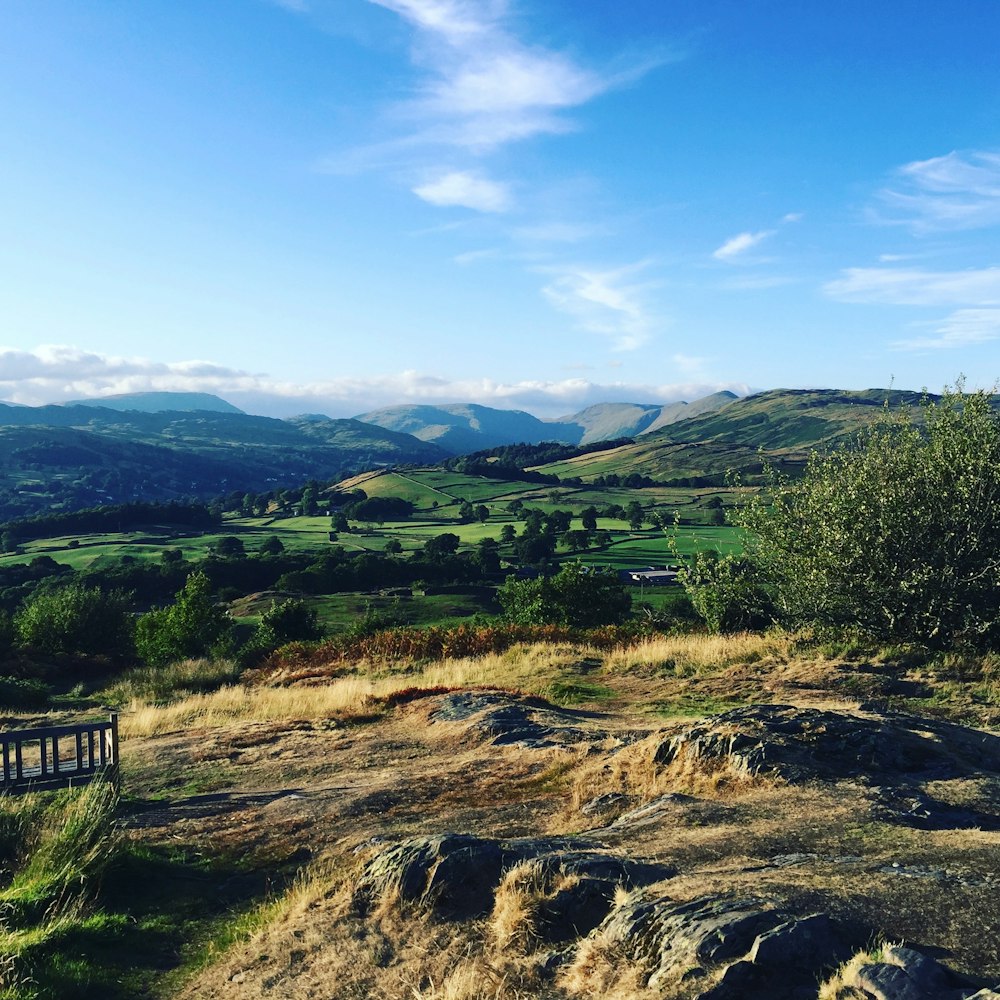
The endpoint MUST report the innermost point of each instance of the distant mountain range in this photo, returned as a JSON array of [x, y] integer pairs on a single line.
[[157, 402], [54, 457], [784, 424], [464, 427], [67, 457]]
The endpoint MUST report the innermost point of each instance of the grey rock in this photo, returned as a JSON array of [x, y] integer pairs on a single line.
[[810, 941], [452, 873], [668, 937], [913, 807], [907, 974], [511, 720], [765, 953], [606, 803], [457, 875], [802, 744], [654, 811]]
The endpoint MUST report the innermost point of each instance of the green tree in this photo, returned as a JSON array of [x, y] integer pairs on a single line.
[[394, 546], [445, 544], [635, 515], [588, 518], [482, 513], [291, 620], [230, 547], [466, 512], [726, 593], [576, 596], [272, 546], [309, 504], [192, 626], [508, 533], [76, 619], [897, 536]]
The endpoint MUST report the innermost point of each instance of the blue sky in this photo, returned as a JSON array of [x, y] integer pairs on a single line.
[[332, 205]]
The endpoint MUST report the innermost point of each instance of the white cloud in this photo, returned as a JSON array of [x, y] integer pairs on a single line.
[[607, 302], [484, 87], [916, 287], [962, 328], [791, 217], [56, 374], [952, 192], [740, 244], [465, 190]]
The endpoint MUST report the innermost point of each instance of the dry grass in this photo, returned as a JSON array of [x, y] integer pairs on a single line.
[[687, 655], [531, 668], [842, 985], [601, 970], [633, 771], [514, 922]]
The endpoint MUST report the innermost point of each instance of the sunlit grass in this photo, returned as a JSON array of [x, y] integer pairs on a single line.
[[531, 668], [685, 655]]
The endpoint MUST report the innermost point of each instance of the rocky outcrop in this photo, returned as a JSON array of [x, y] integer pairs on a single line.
[[511, 720], [456, 875], [673, 941], [906, 974], [803, 744]]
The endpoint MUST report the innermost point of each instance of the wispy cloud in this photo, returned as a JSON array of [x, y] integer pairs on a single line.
[[741, 243], [483, 86], [607, 302], [952, 192], [962, 328], [466, 190], [916, 287], [59, 373]]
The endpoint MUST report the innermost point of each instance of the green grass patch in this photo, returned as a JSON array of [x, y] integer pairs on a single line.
[[577, 692], [693, 705]]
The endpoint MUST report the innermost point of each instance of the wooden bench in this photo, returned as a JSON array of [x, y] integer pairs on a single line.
[[59, 756]]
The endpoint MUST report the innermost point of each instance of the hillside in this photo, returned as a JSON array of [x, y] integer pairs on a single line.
[[462, 428], [783, 423], [740, 816], [56, 457], [606, 421], [157, 402]]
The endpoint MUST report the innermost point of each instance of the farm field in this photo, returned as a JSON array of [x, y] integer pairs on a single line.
[[425, 488]]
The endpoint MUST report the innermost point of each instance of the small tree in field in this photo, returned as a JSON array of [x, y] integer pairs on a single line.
[[898, 536]]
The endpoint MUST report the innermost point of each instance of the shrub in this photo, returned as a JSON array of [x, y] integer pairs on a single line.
[[576, 596], [76, 619], [193, 626], [898, 535]]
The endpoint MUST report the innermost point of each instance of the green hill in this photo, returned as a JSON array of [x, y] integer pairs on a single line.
[[783, 423], [607, 421], [56, 457], [156, 402]]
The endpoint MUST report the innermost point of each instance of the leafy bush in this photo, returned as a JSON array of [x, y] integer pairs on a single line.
[[726, 593], [897, 536], [191, 627], [576, 596], [76, 619], [23, 693]]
